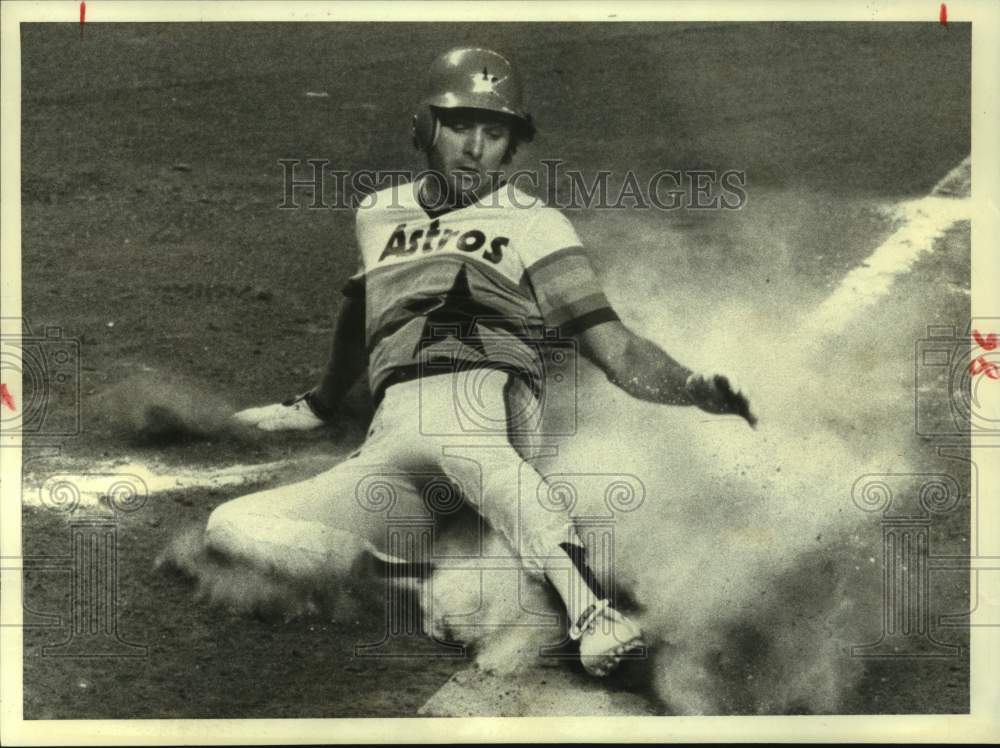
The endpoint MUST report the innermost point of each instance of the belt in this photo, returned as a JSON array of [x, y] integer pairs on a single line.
[[408, 373]]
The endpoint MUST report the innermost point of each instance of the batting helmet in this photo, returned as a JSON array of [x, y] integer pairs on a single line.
[[470, 78]]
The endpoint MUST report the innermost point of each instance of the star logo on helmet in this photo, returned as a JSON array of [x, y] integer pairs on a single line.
[[484, 82]]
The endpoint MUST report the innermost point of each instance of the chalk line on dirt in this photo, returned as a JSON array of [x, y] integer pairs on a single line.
[[85, 484], [922, 223]]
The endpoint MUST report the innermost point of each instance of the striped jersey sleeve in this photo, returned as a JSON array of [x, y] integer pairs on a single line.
[[563, 280]]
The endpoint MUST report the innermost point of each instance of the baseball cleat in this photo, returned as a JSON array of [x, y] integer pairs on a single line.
[[295, 414], [606, 638]]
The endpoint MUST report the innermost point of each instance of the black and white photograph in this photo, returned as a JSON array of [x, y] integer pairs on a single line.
[[503, 361]]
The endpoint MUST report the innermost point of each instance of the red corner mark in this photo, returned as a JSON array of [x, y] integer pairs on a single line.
[[989, 342], [982, 366], [83, 17], [7, 398], [943, 16]]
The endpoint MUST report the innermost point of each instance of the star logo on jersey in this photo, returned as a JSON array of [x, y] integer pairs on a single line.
[[484, 82], [452, 315]]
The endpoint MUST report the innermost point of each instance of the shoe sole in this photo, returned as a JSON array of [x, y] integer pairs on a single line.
[[600, 666]]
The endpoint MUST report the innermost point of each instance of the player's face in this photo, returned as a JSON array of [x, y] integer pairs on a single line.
[[471, 144]]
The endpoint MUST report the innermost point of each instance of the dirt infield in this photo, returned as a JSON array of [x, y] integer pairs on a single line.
[[152, 236]]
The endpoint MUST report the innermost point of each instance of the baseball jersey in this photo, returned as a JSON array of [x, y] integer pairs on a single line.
[[488, 284]]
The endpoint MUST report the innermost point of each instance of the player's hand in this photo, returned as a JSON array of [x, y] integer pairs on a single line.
[[295, 414], [714, 393]]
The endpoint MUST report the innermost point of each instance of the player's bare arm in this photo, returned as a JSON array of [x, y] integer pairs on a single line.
[[645, 371]]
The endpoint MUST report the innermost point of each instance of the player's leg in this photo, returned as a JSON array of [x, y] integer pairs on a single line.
[[317, 534], [314, 528], [299, 530], [504, 487]]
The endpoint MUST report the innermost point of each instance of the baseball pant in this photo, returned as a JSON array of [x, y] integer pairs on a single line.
[[433, 441]]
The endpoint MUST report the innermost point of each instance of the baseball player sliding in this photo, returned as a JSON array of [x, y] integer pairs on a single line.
[[462, 278]]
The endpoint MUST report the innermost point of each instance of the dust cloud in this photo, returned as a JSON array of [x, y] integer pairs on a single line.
[[753, 569]]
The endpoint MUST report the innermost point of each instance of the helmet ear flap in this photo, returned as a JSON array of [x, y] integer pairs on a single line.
[[425, 128]]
